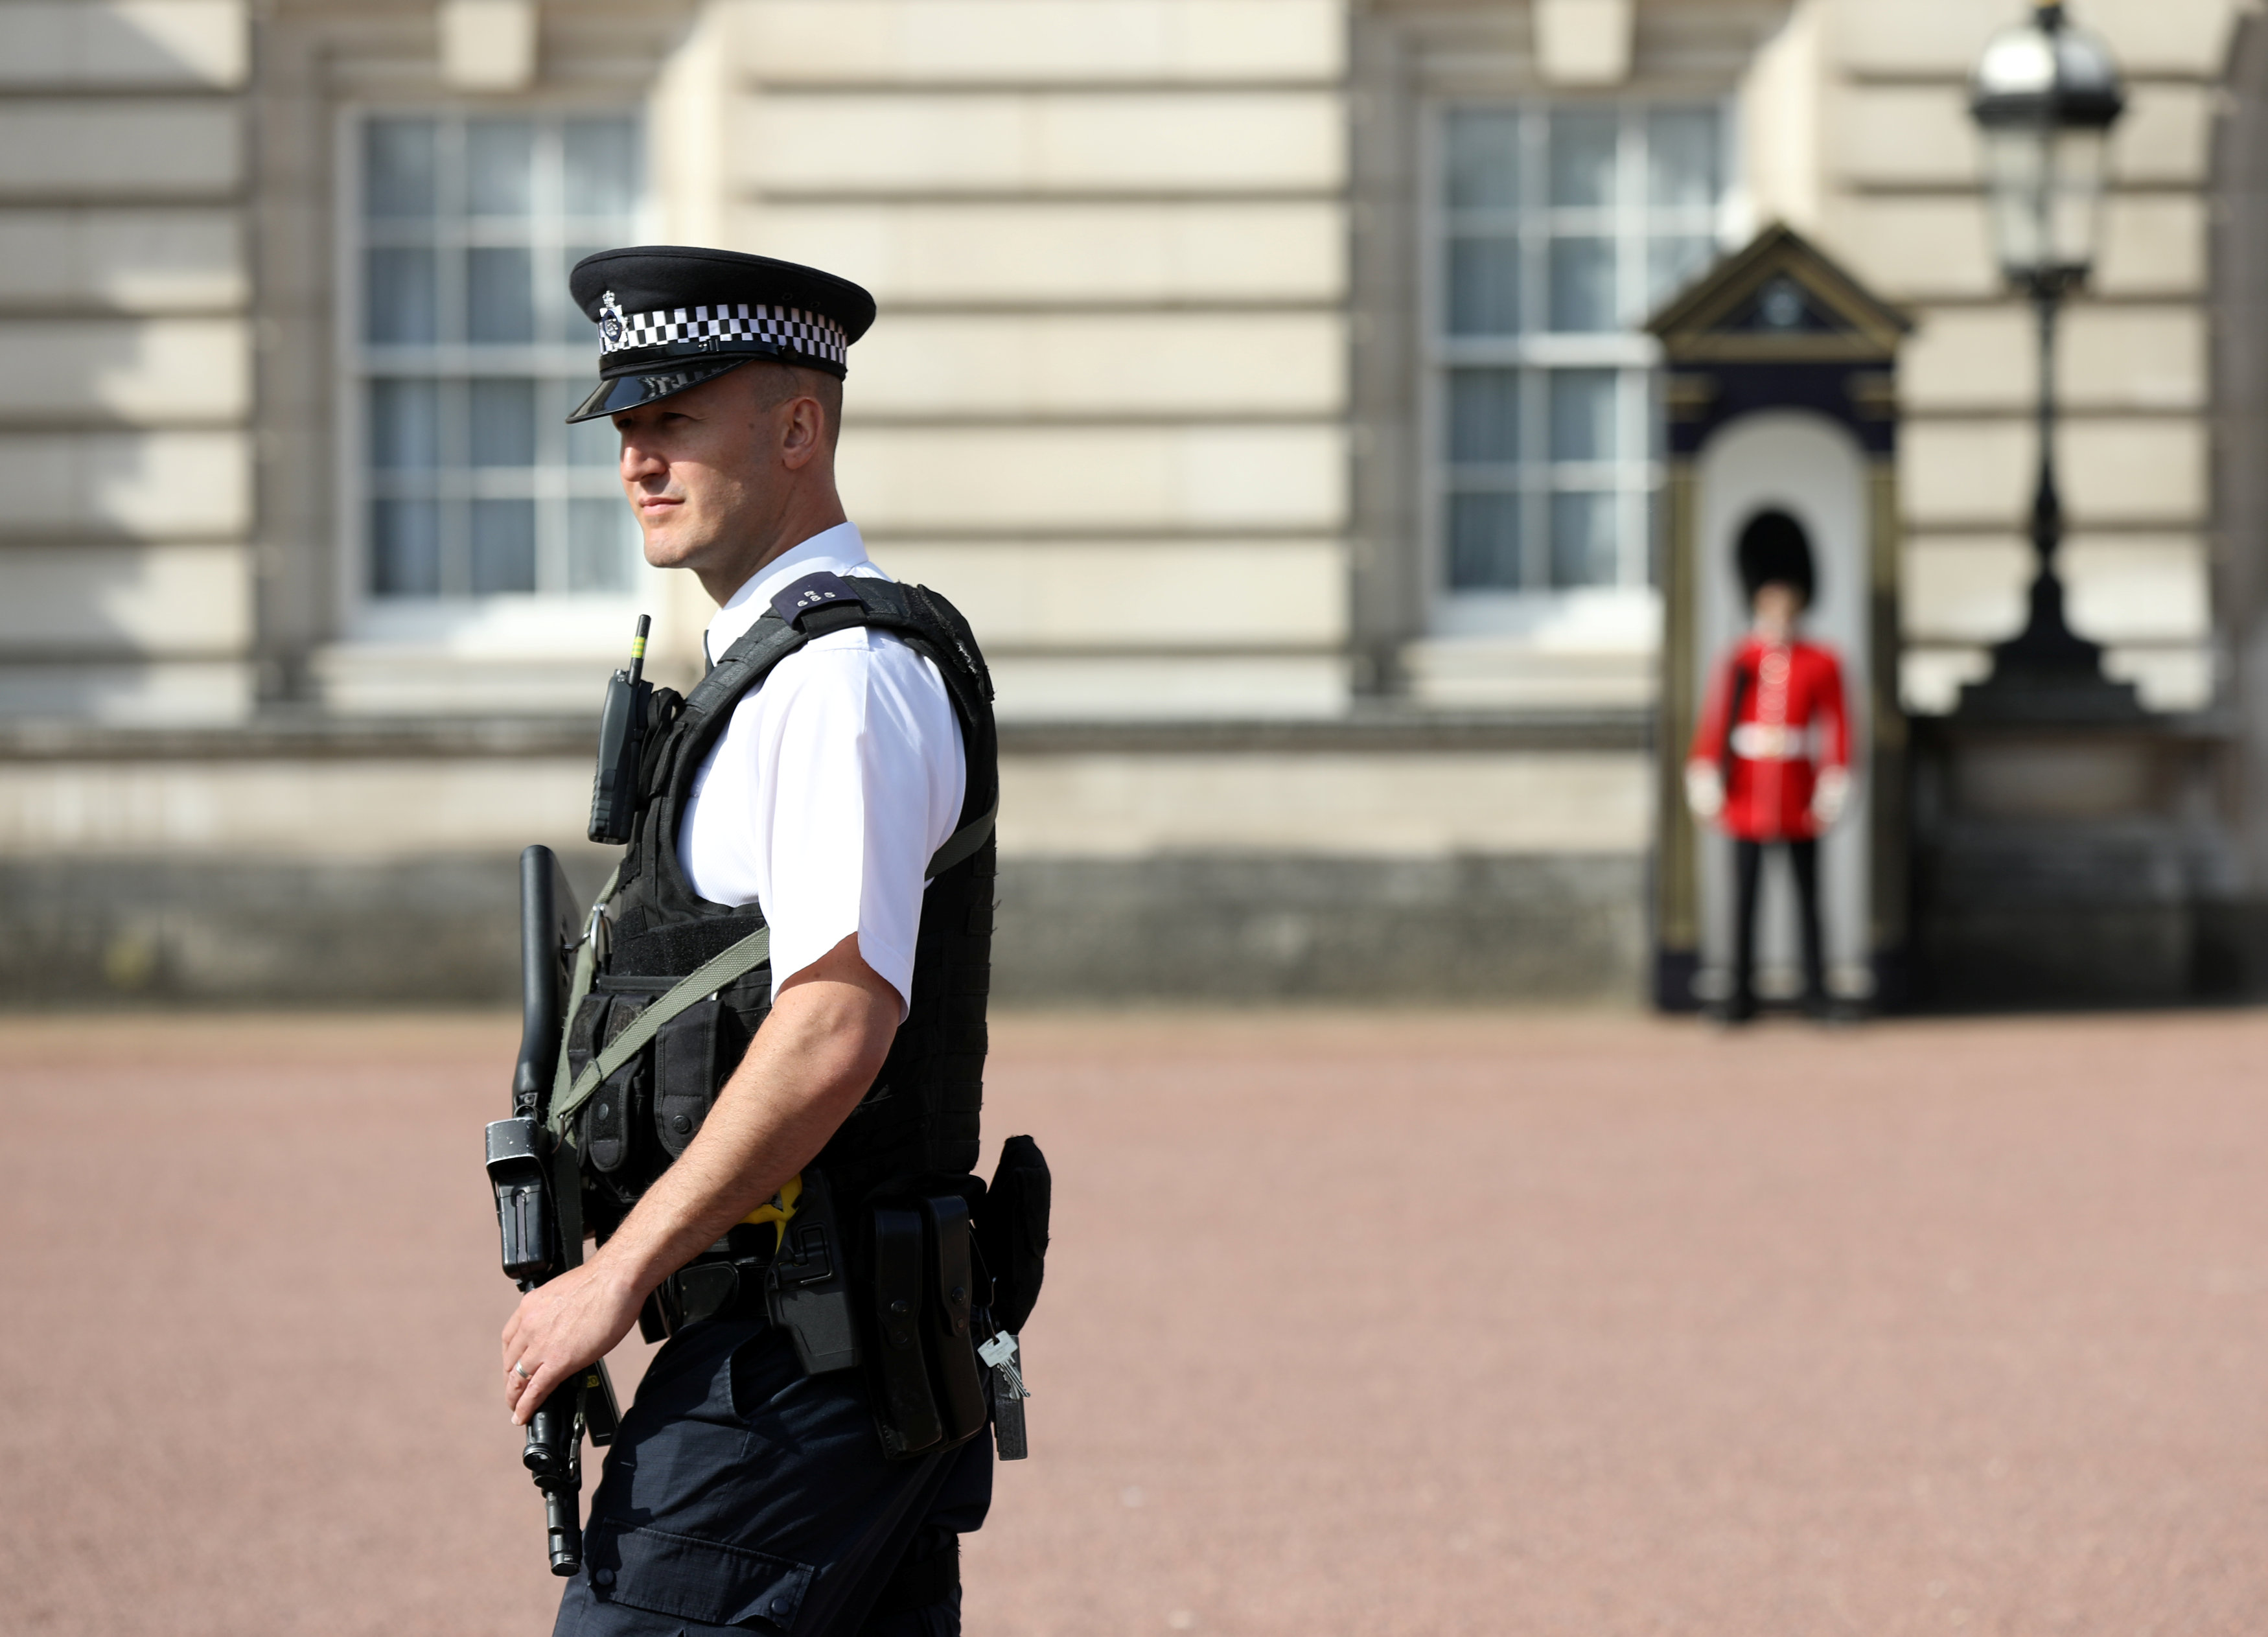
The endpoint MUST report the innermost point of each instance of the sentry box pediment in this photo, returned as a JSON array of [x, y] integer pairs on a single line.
[[1778, 325], [1781, 299], [1779, 393]]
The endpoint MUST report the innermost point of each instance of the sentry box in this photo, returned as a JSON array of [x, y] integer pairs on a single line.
[[1780, 393]]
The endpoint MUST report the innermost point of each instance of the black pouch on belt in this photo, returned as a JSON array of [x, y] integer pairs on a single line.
[[1011, 1230], [807, 1289], [928, 1385], [1012, 1243]]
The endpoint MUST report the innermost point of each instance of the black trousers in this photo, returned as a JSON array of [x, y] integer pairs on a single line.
[[742, 1495], [1747, 870]]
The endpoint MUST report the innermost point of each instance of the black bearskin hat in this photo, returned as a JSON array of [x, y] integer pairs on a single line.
[[1774, 549]]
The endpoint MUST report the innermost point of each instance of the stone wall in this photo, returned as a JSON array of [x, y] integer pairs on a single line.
[[126, 331], [1482, 862], [1223, 929], [1105, 405]]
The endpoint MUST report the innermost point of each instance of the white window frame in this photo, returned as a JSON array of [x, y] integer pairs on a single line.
[[540, 622], [1624, 608]]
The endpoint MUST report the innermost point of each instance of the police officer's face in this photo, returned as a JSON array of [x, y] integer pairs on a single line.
[[713, 473]]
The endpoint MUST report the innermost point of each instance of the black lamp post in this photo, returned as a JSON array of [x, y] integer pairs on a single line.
[[2044, 98]]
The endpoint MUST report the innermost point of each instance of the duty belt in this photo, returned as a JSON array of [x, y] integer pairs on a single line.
[[723, 1282]]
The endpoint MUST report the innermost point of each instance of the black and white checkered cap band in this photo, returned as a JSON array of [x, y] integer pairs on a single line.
[[813, 335]]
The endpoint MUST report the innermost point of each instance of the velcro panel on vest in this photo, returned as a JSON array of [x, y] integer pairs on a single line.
[[959, 1120], [679, 947], [684, 1074], [607, 1121]]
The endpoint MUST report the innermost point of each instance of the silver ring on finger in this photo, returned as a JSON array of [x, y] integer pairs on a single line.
[[522, 1371]]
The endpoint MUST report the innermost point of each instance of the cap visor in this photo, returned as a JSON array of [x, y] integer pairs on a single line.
[[612, 396]]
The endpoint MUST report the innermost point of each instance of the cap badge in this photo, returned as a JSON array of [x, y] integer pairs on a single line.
[[610, 319]]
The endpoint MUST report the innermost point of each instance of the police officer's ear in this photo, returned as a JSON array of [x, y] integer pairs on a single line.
[[814, 405]]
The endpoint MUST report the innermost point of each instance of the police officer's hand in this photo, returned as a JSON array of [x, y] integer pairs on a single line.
[[561, 1326]]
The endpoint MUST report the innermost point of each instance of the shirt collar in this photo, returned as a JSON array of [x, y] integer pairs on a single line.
[[840, 549]]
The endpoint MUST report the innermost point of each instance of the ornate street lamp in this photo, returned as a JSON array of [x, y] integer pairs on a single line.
[[2044, 98]]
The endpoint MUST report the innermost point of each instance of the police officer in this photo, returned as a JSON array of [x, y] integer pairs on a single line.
[[834, 790]]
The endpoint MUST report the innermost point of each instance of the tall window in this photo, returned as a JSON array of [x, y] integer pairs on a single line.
[[1561, 228], [468, 353]]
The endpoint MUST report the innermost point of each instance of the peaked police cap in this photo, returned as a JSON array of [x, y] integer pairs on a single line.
[[672, 316]]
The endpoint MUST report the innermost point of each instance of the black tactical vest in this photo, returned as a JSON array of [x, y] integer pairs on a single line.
[[919, 1118]]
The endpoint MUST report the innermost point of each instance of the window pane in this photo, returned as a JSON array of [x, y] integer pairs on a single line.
[[504, 546], [499, 296], [1583, 285], [503, 423], [1680, 159], [1583, 157], [464, 217], [602, 166], [1484, 542], [594, 444], [405, 549], [1483, 159], [402, 298], [1583, 414], [601, 539], [1484, 416], [1626, 219], [1583, 540], [1483, 286], [1673, 264], [500, 167], [398, 168], [405, 426]]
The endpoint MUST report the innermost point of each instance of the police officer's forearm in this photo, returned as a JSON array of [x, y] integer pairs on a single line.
[[811, 1060]]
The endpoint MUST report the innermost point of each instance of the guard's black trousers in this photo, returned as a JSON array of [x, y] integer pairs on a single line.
[[1747, 869], [741, 1495]]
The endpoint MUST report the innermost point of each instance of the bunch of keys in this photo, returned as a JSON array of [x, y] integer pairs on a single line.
[[1008, 1395]]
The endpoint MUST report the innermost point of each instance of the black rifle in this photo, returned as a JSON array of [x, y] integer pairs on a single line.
[[519, 1155]]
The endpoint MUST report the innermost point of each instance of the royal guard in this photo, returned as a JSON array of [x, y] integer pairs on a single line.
[[1771, 762]]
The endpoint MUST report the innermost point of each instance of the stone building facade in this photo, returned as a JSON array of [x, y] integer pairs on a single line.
[[1264, 377]]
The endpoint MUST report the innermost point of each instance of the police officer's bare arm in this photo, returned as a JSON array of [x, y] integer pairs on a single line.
[[813, 1059]]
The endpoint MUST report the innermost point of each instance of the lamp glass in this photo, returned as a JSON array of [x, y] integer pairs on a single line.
[[2044, 183]]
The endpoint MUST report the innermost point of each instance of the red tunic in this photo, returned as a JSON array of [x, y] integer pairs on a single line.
[[1791, 724]]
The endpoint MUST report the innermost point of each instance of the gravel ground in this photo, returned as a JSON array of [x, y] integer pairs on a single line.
[[1386, 1325]]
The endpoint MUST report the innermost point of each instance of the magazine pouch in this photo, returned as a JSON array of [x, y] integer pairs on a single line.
[[928, 1385]]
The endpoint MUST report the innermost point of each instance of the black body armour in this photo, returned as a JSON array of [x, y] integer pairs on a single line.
[[918, 1120]]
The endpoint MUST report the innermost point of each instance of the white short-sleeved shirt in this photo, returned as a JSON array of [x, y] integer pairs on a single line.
[[833, 785]]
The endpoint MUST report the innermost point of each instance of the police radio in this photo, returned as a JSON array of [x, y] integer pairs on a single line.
[[623, 723]]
